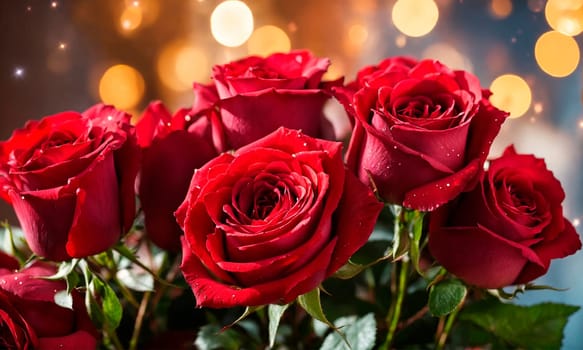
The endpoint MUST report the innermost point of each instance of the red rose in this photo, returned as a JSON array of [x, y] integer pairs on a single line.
[[508, 229], [422, 131], [30, 318], [258, 95], [272, 220], [173, 146], [70, 178]]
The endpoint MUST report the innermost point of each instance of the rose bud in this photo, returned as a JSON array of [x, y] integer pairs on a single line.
[[173, 146], [31, 319], [508, 229], [422, 131], [258, 95], [272, 220], [70, 179]]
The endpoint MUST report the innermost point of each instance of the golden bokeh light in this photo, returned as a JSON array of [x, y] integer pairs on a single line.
[[131, 18], [122, 86], [180, 64], [231, 23], [500, 8], [565, 16], [267, 40], [415, 18], [511, 93], [448, 55], [556, 54]]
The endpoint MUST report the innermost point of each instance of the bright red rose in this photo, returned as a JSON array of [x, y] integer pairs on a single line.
[[272, 220], [258, 95], [422, 131], [508, 229], [173, 146], [30, 318], [70, 178]]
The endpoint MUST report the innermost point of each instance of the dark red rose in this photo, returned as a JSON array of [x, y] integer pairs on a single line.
[[508, 229], [173, 146], [422, 131], [70, 178], [258, 95], [272, 220], [30, 318]]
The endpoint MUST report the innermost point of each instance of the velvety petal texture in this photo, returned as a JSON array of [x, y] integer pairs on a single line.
[[30, 318], [421, 130], [173, 147], [508, 229], [256, 95], [70, 179], [272, 220]]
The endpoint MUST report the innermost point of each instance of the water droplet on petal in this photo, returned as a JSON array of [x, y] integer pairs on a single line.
[[110, 118], [187, 118], [447, 185]]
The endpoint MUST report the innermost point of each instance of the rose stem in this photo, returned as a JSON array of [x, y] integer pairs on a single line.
[[397, 303], [442, 339], [139, 320]]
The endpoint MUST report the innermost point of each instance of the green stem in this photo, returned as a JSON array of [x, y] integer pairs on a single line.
[[442, 339], [139, 320], [396, 306]]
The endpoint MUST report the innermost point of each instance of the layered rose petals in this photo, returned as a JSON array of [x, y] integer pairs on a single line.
[[262, 225], [258, 95], [508, 229], [70, 178], [30, 318], [422, 131], [173, 147]]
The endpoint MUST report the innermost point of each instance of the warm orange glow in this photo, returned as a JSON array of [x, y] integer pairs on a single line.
[[415, 17], [180, 64], [565, 16], [267, 40], [122, 86], [511, 93], [556, 54]]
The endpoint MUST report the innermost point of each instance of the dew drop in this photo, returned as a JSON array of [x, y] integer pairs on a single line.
[[305, 144], [22, 197], [458, 155], [20, 283], [395, 147], [187, 118], [2, 281], [447, 185], [16, 278], [399, 164], [294, 155], [110, 118], [299, 59], [448, 155]]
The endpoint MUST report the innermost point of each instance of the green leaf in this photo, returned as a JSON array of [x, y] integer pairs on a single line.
[[72, 281], [65, 268], [445, 296], [538, 326], [349, 270], [311, 303], [360, 335], [112, 309], [274, 313], [64, 299], [210, 337], [415, 219]]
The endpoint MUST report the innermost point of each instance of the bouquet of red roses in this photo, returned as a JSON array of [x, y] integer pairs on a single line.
[[255, 226]]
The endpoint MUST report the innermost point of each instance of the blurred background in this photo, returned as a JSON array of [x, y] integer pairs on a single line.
[[67, 55]]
